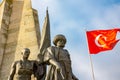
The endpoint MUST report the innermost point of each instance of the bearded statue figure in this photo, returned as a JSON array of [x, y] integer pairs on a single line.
[[58, 60]]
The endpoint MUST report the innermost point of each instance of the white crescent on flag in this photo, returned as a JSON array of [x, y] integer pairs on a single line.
[[102, 40], [97, 43]]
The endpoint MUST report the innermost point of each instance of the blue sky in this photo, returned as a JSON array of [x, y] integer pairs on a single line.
[[72, 18]]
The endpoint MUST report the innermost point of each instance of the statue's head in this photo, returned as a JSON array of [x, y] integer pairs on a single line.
[[25, 52], [59, 40]]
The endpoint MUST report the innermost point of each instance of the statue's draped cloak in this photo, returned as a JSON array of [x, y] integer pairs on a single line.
[[63, 58]]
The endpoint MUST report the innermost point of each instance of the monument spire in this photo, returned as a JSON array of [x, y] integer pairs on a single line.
[[45, 42], [45, 38], [27, 4]]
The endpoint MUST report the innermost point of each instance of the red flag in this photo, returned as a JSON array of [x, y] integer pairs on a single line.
[[101, 40]]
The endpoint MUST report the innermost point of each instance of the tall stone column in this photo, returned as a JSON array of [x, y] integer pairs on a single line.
[[29, 36], [19, 28], [5, 13]]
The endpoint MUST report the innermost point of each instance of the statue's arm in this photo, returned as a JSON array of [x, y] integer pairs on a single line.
[[12, 72], [50, 58], [58, 66], [55, 63]]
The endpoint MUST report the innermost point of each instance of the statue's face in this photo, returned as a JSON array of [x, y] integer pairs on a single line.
[[60, 43], [26, 54]]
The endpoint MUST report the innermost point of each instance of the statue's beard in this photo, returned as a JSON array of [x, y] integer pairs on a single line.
[[61, 46]]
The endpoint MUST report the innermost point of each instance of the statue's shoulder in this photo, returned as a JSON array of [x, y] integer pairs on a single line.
[[66, 50], [51, 48], [15, 63], [18, 61]]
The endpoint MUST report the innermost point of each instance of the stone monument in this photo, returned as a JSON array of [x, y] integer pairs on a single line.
[[19, 28]]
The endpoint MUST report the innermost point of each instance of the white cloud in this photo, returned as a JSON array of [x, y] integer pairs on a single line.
[[108, 19]]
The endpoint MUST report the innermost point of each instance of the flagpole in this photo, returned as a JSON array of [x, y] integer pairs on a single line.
[[91, 63], [92, 70]]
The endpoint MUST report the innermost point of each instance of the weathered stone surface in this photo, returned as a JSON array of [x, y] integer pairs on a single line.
[[19, 28], [3, 28]]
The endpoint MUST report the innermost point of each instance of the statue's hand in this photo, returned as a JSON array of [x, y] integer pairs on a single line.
[[58, 67]]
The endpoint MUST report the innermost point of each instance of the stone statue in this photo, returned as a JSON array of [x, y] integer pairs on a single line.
[[39, 70], [45, 42], [23, 69], [58, 60]]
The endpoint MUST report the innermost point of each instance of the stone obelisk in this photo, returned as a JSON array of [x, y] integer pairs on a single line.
[[19, 28]]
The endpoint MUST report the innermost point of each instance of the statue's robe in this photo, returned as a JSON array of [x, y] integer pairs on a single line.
[[63, 58]]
